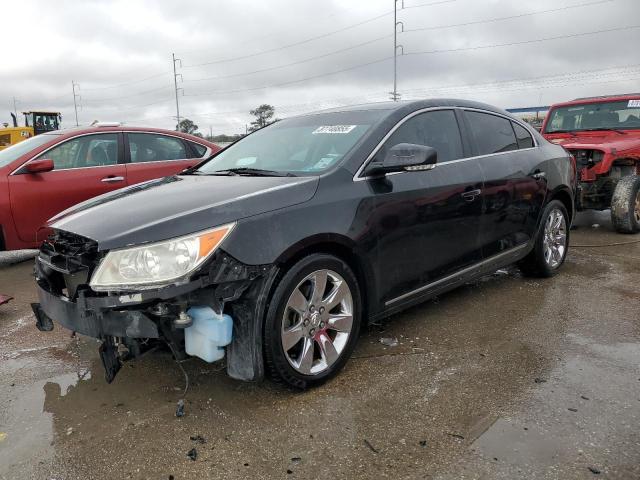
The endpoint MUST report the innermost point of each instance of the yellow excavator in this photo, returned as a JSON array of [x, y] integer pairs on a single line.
[[35, 123]]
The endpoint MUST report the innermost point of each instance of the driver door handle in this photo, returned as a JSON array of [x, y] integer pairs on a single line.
[[471, 195], [112, 179]]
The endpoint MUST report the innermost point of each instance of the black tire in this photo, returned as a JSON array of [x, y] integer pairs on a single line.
[[535, 264], [625, 205], [277, 361]]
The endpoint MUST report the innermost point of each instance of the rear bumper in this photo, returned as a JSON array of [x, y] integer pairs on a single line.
[[92, 323]]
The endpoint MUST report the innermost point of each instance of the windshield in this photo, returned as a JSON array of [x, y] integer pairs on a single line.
[[623, 115], [13, 152], [306, 145]]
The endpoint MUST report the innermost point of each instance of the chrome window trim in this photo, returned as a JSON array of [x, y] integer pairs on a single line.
[[208, 152], [456, 274], [358, 178]]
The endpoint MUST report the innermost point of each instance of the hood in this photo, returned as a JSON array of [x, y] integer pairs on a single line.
[[598, 140], [179, 205]]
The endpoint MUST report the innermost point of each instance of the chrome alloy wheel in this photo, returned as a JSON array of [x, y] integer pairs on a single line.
[[555, 238], [317, 322]]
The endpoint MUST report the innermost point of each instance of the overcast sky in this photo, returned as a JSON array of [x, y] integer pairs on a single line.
[[307, 54]]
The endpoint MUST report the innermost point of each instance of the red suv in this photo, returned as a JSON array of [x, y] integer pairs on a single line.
[[48, 173], [603, 134]]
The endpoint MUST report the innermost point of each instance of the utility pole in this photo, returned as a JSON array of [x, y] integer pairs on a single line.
[[395, 96], [175, 83], [75, 97], [15, 109], [210, 133]]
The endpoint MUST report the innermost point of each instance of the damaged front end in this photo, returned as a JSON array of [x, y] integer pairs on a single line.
[[130, 323]]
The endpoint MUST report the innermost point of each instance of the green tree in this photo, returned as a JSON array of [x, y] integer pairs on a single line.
[[264, 116], [187, 126]]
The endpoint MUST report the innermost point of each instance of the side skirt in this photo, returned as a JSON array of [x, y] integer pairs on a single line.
[[452, 281]]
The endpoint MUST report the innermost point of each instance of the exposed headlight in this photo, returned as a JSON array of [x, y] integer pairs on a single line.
[[157, 264]]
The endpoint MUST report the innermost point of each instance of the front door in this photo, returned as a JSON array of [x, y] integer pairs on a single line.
[[426, 222], [84, 167], [515, 187], [154, 155]]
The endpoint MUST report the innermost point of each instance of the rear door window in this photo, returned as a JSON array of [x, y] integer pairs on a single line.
[[525, 140], [86, 151], [437, 129], [155, 147], [492, 134], [199, 150]]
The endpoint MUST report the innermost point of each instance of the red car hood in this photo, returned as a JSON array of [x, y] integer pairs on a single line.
[[605, 141]]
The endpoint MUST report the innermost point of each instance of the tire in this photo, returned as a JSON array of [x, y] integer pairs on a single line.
[[307, 340], [625, 205], [551, 243]]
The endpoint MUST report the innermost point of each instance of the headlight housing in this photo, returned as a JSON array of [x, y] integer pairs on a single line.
[[157, 264]]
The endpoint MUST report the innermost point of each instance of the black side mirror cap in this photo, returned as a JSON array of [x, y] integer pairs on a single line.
[[405, 157]]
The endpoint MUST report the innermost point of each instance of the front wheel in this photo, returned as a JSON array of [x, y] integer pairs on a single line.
[[625, 205], [313, 321], [551, 243]]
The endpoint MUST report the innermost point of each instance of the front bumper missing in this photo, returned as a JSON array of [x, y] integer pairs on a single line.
[[97, 324], [229, 286]]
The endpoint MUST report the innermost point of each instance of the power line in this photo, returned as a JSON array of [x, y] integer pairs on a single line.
[[137, 94], [127, 83], [384, 37], [523, 42], [311, 39], [426, 52], [509, 17]]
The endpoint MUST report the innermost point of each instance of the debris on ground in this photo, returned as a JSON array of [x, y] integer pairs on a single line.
[[583, 397], [192, 454], [69, 430], [594, 470], [198, 439], [296, 459], [3, 437], [539, 380], [289, 471], [180, 408], [572, 409], [456, 435], [371, 447], [423, 443], [389, 342]]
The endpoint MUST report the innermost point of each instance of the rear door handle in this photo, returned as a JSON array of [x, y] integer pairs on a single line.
[[538, 175], [112, 179], [471, 195]]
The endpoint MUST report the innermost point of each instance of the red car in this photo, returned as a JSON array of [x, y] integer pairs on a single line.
[[48, 173], [603, 134]]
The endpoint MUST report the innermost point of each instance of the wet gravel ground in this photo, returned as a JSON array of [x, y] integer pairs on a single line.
[[505, 378]]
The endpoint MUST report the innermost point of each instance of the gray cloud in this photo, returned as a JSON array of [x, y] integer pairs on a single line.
[[108, 47]]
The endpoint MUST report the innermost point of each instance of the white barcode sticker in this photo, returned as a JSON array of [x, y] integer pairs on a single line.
[[334, 129], [633, 104]]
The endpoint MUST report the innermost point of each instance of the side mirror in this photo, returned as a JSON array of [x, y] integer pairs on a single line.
[[39, 166], [405, 156]]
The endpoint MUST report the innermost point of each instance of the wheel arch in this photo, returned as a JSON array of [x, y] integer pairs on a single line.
[[563, 194], [343, 248]]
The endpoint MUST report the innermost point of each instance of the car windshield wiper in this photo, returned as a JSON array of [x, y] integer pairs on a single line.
[[258, 172], [608, 129], [572, 132]]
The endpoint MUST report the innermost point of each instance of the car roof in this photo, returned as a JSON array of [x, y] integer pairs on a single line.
[[601, 99], [409, 105], [74, 131]]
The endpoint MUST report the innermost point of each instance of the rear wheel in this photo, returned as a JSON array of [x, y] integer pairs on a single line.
[[312, 322], [625, 205], [551, 244]]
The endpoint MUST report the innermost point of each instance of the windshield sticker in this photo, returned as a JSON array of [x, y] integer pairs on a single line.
[[633, 104], [334, 129]]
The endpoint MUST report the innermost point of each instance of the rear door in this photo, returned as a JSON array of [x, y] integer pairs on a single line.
[[426, 222], [515, 187], [156, 155], [84, 167]]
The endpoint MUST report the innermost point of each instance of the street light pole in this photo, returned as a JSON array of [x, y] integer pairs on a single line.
[[395, 96], [75, 96], [175, 83]]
